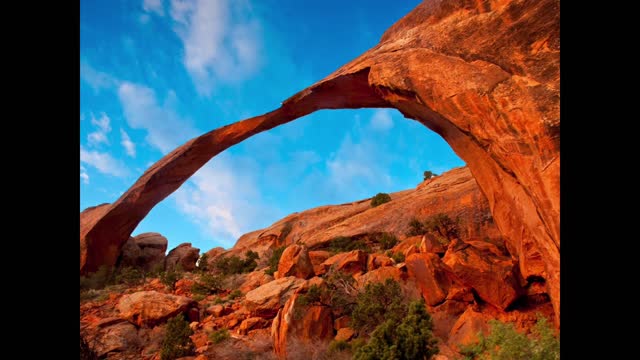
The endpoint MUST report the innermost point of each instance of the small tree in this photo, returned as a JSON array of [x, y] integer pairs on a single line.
[[380, 199], [428, 175], [416, 227], [274, 259], [377, 303], [177, 342]]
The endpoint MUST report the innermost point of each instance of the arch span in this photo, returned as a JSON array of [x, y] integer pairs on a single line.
[[482, 74]]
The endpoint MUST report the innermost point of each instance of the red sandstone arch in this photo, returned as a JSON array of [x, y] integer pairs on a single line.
[[482, 74]]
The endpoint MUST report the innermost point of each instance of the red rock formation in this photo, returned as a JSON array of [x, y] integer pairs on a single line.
[[266, 300], [184, 255], [317, 258], [483, 75], [375, 261], [295, 261], [149, 308], [431, 275], [296, 326], [352, 262]]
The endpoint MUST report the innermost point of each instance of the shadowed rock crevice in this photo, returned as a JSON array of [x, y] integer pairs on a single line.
[[483, 75]]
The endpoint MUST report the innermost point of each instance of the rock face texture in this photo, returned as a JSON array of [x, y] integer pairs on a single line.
[[295, 261], [145, 251], [266, 300], [184, 255], [149, 308], [484, 75]]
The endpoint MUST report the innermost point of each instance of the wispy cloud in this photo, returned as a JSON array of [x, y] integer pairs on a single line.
[[83, 175], [96, 79], [129, 146], [381, 120], [103, 128], [165, 128], [103, 162], [222, 198], [154, 6], [221, 40]]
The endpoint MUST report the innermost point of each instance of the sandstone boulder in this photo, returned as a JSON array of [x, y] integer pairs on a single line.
[[295, 261], [184, 255], [352, 262], [150, 308], [317, 258], [375, 261], [266, 300]]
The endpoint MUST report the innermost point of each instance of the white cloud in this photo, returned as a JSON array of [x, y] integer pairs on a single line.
[[165, 128], [103, 162], [83, 175], [129, 146], [154, 6], [357, 162], [381, 120], [221, 40], [103, 128], [222, 198], [96, 79]]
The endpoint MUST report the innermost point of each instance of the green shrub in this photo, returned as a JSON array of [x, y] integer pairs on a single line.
[[442, 225], [203, 263], [170, 276], [177, 342], [130, 276], [341, 244], [415, 228], [376, 304], [198, 297], [428, 175], [207, 285], [234, 294], [219, 336], [338, 346], [387, 240], [398, 257], [380, 199], [412, 339], [504, 342], [313, 296], [235, 265], [274, 259]]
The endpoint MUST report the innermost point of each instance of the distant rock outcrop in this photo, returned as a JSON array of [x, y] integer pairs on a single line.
[[145, 251], [184, 255]]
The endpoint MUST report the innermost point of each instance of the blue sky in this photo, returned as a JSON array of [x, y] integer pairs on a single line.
[[155, 73]]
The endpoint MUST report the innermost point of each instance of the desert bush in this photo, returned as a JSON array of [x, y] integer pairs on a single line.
[[376, 304], [177, 342], [203, 263], [341, 244], [170, 276], [505, 342], [398, 257], [428, 175], [274, 259], [411, 339], [338, 346], [234, 294], [219, 336], [442, 225], [207, 284], [235, 265], [387, 240], [416, 227], [313, 296], [129, 275], [380, 199]]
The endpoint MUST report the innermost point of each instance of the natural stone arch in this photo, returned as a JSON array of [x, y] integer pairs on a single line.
[[484, 75]]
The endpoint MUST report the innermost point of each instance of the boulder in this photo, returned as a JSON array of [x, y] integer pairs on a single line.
[[317, 258], [150, 308], [266, 300], [184, 255], [295, 261], [352, 262]]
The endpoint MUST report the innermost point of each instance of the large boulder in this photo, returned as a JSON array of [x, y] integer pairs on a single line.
[[352, 262], [254, 279], [266, 300], [465, 331], [145, 251], [493, 277], [150, 308], [296, 327], [431, 275], [317, 258], [184, 255], [375, 261], [295, 261]]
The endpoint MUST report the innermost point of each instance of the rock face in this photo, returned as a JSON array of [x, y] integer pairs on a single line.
[[296, 325], [492, 276], [149, 308], [185, 255], [353, 262], [295, 261], [145, 251], [266, 300], [483, 75], [432, 277]]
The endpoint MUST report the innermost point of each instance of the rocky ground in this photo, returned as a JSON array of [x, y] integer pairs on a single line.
[[460, 266]]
